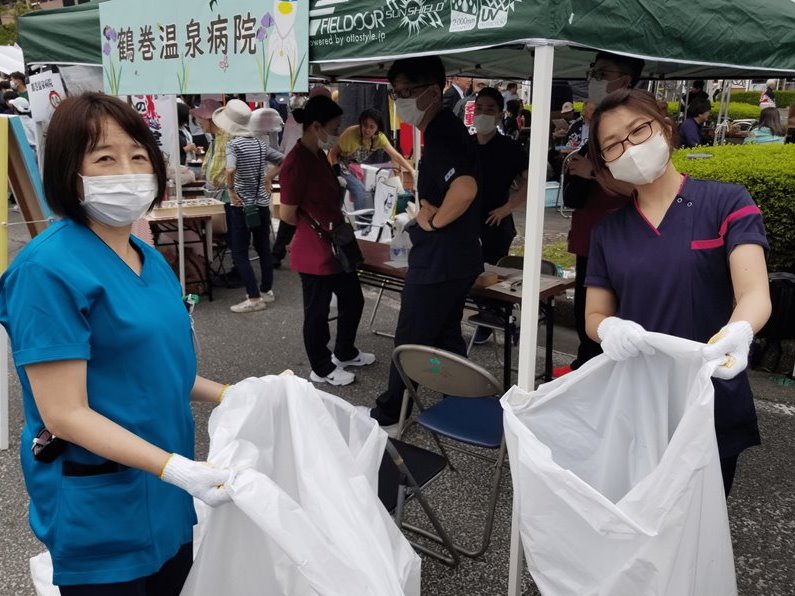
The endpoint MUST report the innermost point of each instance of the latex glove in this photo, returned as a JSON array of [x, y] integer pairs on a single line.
[[199, 479], [731, 343], [622, 339]]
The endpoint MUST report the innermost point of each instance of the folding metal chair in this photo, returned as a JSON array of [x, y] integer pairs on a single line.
[[470, 415], [405, 471]]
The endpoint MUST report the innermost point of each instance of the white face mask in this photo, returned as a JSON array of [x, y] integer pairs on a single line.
[[118, 200], [644, 163], [597, 90], [408, 111], [329, 143], [485, 123]]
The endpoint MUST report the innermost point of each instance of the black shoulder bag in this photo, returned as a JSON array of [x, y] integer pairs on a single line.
[[343, 242]]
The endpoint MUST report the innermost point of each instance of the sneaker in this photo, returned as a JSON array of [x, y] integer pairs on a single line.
[[249, 305], [561, 370], [337, 376], [267, 296], [482, 335], [392, 430], [362, 359]]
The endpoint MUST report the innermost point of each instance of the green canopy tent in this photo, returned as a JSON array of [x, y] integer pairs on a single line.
[[495, 38], [61, 35], [533, 39]]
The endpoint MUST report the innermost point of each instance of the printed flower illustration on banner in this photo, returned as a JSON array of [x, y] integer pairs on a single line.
[[282, 45], [108, 49]]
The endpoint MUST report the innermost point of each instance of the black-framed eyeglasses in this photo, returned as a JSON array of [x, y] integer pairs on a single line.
[[407, 92], [638, 135], [600, 74]]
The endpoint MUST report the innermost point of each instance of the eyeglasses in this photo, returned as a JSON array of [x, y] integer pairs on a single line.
[[600, 74], [407, 92], [639, 135]]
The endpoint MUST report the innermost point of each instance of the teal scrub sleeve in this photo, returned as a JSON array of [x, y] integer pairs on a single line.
[[46, 317]]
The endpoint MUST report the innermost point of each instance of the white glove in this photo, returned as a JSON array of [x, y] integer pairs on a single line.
[[731, 343], [199, 479], [342, 182], [622, 339]]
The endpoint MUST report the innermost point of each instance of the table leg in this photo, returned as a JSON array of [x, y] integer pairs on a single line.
[[550, 319], [208, 254], [507, 348]]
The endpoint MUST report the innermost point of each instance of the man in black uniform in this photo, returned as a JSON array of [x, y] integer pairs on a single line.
[[502, 162], [446, 257]]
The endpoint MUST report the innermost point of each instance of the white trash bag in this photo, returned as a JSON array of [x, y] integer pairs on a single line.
[[617, 478], [305, 518]]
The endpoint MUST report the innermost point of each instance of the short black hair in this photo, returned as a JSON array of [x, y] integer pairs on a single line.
[[75, 129], [698, 84], [183, 114], [17, 75], [699, 105], [9, 95], [5, 85], [512, 84], [632, 66], [423, 69], [317, 109], [492, 93], [513, 107], [375, 116]]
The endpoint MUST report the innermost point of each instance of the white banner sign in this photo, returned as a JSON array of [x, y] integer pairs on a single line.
[[45, 91], [160, 114]]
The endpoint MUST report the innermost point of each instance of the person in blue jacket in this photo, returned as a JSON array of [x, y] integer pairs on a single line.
[[102, 345], [686, 257]]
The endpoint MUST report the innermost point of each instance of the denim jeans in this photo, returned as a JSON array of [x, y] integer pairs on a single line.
[[359, 196], [240, 238]]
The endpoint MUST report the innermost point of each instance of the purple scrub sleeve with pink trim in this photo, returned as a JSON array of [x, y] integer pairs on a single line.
[[675, 279]]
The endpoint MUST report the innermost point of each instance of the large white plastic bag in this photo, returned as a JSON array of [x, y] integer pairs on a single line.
[[617, 478], [306, 518]]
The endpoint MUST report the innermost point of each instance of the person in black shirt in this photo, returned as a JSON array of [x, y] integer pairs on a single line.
[[446, 256], [503, 162]]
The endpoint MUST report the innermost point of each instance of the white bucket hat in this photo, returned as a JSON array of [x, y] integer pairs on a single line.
[[264, 121], [233, 118]]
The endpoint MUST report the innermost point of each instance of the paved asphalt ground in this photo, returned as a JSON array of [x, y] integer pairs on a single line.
[[235, 346]]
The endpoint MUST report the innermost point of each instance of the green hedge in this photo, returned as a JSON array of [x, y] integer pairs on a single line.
[[737, 110], [783, 98], [768, 172]]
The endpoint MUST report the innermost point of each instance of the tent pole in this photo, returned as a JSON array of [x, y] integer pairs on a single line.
[[178, 183], [531, 276]]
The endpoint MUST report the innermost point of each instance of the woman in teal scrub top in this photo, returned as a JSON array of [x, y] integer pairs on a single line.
[[103, 349]]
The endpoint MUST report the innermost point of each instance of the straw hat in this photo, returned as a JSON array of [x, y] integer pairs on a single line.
[[233, 118]]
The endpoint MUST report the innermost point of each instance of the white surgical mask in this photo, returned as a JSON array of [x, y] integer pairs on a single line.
[[118, 200], [329, 143], [485, 123], [644, 163], [408, 111], [597, 90]]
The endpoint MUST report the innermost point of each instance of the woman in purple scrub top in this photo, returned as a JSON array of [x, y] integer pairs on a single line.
[[686, 257]]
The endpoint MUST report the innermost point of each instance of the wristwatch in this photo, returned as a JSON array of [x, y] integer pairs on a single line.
[[430, 223]]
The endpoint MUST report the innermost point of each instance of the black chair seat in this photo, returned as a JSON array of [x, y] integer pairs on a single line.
[[424, 465]]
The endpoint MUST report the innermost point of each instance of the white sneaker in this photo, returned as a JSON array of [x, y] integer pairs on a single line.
[[268, 296], [249, 305], [337, 376], [362, 359]]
